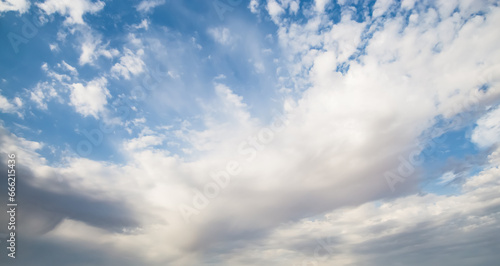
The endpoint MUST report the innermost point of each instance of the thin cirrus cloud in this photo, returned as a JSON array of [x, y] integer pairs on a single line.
[[282, 133]]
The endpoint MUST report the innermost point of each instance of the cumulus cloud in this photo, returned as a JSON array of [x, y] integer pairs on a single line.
[[130, 64], [143, 25], [73, 10], [92, 47], [20, 6], [274, 9], [487, 131], [11, 106], [381, 6], [253, 6], [42, 93], [320, 5], [307, 187], [402, 229], [146, 139], [90, 99]]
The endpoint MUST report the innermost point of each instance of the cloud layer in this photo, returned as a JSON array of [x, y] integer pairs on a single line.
[[331, 171]]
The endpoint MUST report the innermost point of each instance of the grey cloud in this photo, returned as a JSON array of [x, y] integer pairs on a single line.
[[40, 210]]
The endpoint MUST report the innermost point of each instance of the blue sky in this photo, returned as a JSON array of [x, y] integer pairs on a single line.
[[188, 50], [262, 132]]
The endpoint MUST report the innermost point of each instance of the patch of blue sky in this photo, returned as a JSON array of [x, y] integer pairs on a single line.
[[196, 79], [451, 154]]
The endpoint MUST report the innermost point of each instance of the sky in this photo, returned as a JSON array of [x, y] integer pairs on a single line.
[[262, 132]]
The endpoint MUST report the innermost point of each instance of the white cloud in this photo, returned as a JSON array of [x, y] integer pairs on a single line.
[[130, 63], [139, 121], [487, 131], [228, 96], [90, 99], [92, 47], [20, 6], [146, 139], [381, 7], [73, 10], [340, 135], [148, 5], [69, 68], [61, 78], [274, 9], [221, 35], [408, 4], [220, 76], [294, 7], [10, 106], [54, 47], [253, 6], [227, 121], [320, 5], [447, 178], [42, 93], [143, 25]]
